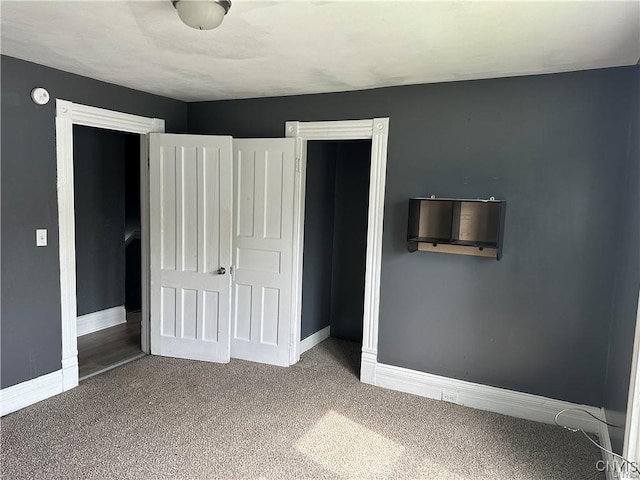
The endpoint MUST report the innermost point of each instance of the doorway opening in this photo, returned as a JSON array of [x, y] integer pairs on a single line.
[[335, 245], [108, 239], [69, 114]]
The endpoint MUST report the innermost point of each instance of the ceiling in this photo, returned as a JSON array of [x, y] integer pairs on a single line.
[[295, 47]]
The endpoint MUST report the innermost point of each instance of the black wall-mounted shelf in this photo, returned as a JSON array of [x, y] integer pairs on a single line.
[[459, 226]]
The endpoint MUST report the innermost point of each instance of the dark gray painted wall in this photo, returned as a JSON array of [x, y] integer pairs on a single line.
[[31, 331], [318, 237], [552, 146], [133, 250], [627, 282], [99, 195], [350, 238], [132, 182]]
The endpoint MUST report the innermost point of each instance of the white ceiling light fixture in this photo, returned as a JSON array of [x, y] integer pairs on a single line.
[[202, 14]]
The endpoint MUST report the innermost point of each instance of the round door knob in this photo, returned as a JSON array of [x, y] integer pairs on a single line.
[[221, 271]]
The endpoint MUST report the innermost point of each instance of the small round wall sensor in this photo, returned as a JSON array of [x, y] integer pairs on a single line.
[[40, 96]]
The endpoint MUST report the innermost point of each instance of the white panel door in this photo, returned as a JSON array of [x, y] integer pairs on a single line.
[[190, 234], [263, 179]]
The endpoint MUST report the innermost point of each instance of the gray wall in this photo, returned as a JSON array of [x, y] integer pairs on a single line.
[[350, 238], [99, 196], [132, 182], [31, 331], [318, 237], [133, 250], [552, 146], [627, 281]]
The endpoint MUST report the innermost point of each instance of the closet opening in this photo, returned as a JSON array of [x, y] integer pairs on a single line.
[[335, 244]]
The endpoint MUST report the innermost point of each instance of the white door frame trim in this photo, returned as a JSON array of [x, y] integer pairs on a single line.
[[376, 129], [631, 449], [69, 114]]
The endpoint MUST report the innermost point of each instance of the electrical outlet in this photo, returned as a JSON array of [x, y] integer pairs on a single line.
[[450, 397]]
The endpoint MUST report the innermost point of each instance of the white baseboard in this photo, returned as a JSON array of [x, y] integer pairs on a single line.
[[29, 392], [93, 322], [482, 397], [70, 372], [314, 339]]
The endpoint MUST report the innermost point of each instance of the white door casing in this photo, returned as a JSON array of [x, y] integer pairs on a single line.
[[69, 114], [376, 129], [631, 448], [190, 224], [263, 179]]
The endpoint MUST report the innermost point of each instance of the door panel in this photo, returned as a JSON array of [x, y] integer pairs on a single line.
[[190, 235], [264, 172]]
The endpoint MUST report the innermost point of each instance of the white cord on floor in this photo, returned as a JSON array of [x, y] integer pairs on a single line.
[[624, 460]]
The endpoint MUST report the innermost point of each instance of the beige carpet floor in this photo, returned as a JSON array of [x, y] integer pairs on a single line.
[[168, 418]]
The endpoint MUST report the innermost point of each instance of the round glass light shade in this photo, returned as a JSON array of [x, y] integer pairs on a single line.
[[201, 14]]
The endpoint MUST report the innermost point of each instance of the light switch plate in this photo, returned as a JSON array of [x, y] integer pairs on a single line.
[[41, 237]]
